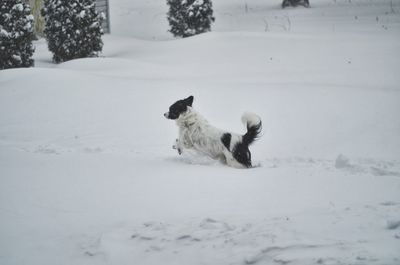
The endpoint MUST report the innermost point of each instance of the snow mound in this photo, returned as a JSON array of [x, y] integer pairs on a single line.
[[88, 175]]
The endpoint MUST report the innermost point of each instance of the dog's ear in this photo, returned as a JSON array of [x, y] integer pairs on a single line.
[[189, 101]]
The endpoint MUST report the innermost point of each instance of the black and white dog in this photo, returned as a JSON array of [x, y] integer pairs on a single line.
[[196, 133]]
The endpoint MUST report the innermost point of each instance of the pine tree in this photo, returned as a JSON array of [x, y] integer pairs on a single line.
[[16, 34], [190, 17], [72, 29]]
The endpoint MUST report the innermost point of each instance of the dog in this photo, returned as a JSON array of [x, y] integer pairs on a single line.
[[196, 133]]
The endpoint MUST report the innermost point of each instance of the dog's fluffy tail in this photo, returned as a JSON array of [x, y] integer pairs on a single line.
[[253, 124]]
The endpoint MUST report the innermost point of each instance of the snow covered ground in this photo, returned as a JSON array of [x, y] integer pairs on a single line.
[[88, 175]]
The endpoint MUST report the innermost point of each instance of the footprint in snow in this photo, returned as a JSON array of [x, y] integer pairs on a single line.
[[270, 254], [383, 172], [151, 231], [390, 203], [46, 150], [211, 224], [92, 150], [392, 224], [188, 238]]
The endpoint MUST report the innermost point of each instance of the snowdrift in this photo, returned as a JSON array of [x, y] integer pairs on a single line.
[[88, 175]]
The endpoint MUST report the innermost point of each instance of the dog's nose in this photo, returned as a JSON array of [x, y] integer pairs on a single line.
[[166, 114]]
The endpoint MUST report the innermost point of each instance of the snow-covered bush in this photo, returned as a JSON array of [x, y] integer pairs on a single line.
[[16, 34], [72, 29], [189, 17]]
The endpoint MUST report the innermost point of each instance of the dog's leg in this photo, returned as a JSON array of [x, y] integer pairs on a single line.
[[177, 146]]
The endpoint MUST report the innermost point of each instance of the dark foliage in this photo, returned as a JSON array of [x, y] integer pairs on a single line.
[[287, 3], [190, 17], [72, 28], [16, 34]]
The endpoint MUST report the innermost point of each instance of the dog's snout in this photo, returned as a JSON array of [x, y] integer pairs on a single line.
[[166, 114]]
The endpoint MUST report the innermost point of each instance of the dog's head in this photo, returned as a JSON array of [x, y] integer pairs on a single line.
[[242, 154], [179, 107]]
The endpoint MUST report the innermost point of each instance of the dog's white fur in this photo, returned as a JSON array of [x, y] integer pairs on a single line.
[[196, 133]]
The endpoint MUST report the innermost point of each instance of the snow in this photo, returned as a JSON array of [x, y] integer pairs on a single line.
[[16, 57], [4, 33], [82, 14], [19, 7], [393, 224], [87, 170], [28, 26]]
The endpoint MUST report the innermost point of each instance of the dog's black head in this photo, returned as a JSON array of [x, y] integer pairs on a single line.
[[242, 154], [178, 108]]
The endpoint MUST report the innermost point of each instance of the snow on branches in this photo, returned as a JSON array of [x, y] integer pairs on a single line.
[[73, 29], [190, 17], [16, 34]]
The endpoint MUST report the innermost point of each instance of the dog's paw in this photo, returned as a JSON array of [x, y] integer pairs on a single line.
[[176, 147]]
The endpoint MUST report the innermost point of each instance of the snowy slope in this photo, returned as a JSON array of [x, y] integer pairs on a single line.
[[88, 175]]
